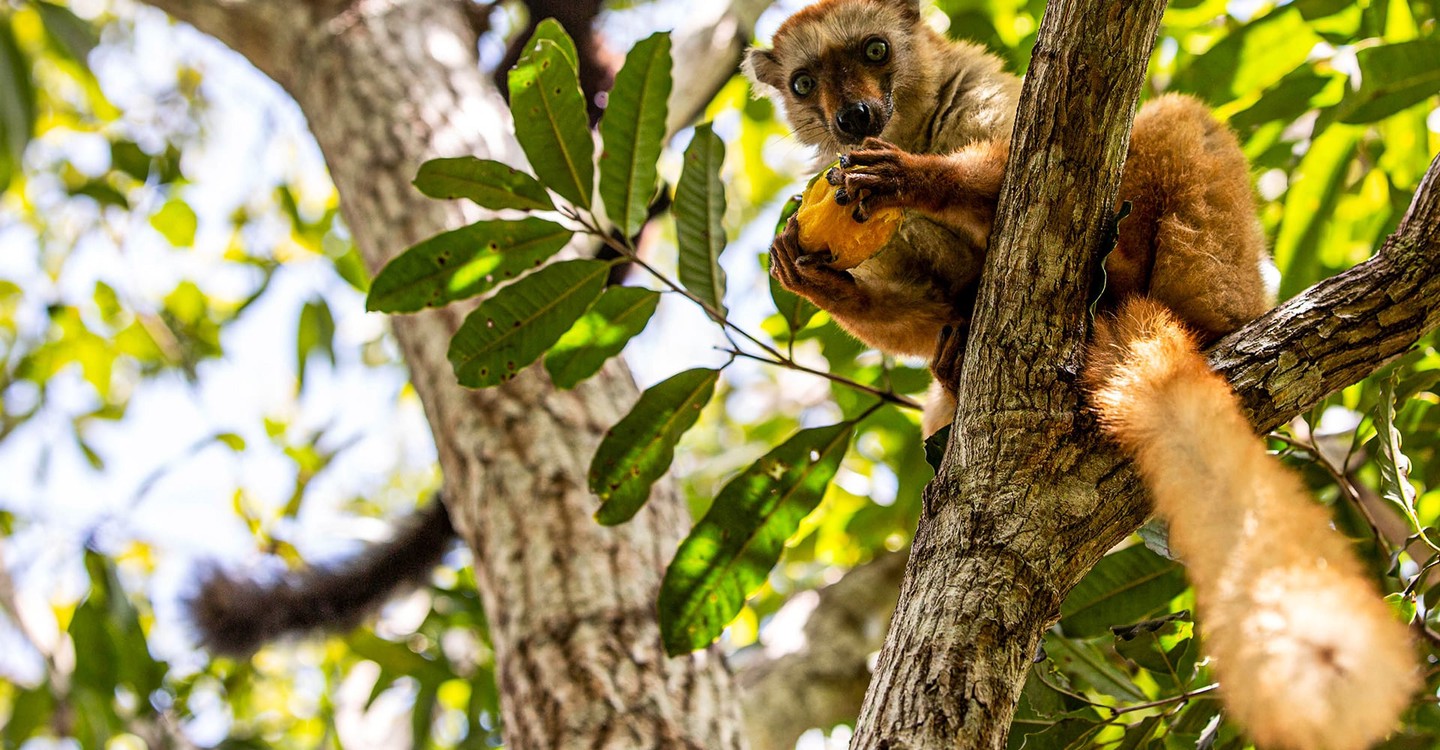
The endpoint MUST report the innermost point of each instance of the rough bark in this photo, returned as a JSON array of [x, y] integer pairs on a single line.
[[1030, 496], [387, 85], [997, 546]]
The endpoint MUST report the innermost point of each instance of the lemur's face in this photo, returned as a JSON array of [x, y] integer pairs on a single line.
[[836, 67]]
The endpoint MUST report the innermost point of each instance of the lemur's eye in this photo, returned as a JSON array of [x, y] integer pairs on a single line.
[[877, 50], [802, 84]]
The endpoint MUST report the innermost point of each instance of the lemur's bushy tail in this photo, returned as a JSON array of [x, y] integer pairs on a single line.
[[236, 615], [1307, 654]]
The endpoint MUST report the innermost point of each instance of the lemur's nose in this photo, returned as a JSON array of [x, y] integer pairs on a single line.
[[856, 120]]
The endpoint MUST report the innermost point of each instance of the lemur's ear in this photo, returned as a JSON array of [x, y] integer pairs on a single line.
[[763, 69], [911, 8]]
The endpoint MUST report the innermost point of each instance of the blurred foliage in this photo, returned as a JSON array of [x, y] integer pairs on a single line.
[[1335, 103]]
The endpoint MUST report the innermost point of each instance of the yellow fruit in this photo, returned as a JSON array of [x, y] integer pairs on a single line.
[[827, 225]]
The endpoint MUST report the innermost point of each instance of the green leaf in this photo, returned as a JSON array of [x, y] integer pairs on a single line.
[[485, 182], [1124, 587], [176, 222], [1315, 188], [732, 549], [315, 332], [128, 157], [699, 207], [621, 313], [639, 449], [1394, 464], [633, 130], [1084, 661], [935, 446], [463, 262], [551, 123], [1393, 77], [1070, 733], [17, 94], [73, 37], [1250, 58], [552, 31], [511, 329]]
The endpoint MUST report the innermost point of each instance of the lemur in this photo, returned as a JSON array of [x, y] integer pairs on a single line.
[[923, 123]]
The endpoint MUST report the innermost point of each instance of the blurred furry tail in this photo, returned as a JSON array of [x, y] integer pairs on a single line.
[[236, 615], [1307, 654]]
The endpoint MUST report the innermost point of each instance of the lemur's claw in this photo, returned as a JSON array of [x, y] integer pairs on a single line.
[[834, 176], [842, 197]]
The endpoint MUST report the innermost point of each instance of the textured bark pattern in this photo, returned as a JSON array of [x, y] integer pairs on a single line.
[[1014, 518], [386, 85]]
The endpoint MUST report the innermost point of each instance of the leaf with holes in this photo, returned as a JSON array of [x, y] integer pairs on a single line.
[[462, 263], [513, 328], [699, 207], [633, 129], [619, 315], [732, 549], [1124, 587], [551, 123], [485, 182], [640, 447]]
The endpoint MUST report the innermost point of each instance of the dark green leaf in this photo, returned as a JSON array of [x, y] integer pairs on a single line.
[[29, 711], [1393, 77], [1066, 734], [935, 447], [1251, 58], [699, 208], [485, 182], [127, 157], [633, 130], [463, 262], [17, 94], [1124, 587], [1085, 662], [73, 37], [513, 328], [551, 122], [1138, 734], [315, 332], [620, 314], [732, 549], [639, 449]]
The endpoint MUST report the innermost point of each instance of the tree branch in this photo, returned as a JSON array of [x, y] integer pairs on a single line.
[[254, 28], [1343, 328], [707, 52]]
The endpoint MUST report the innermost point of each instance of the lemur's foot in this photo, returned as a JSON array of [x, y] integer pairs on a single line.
[[949, 357], [809, 275]]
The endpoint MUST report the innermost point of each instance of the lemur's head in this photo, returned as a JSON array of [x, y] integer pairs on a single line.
[[837, 66]]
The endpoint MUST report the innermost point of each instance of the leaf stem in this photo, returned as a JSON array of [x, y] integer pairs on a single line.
[[774, 357]]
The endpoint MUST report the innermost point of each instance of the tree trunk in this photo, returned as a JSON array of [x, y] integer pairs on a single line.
[[570, 603]]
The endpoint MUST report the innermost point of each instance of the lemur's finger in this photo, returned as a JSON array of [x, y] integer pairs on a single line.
[[834, 176], [861, 213], [824, 257]]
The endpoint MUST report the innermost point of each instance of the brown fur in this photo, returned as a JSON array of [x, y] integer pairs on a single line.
[[1192, 241], [1308, 656]]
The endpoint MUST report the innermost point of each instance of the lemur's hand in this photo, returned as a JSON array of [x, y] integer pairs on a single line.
[[808, 274], [876, 175]]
